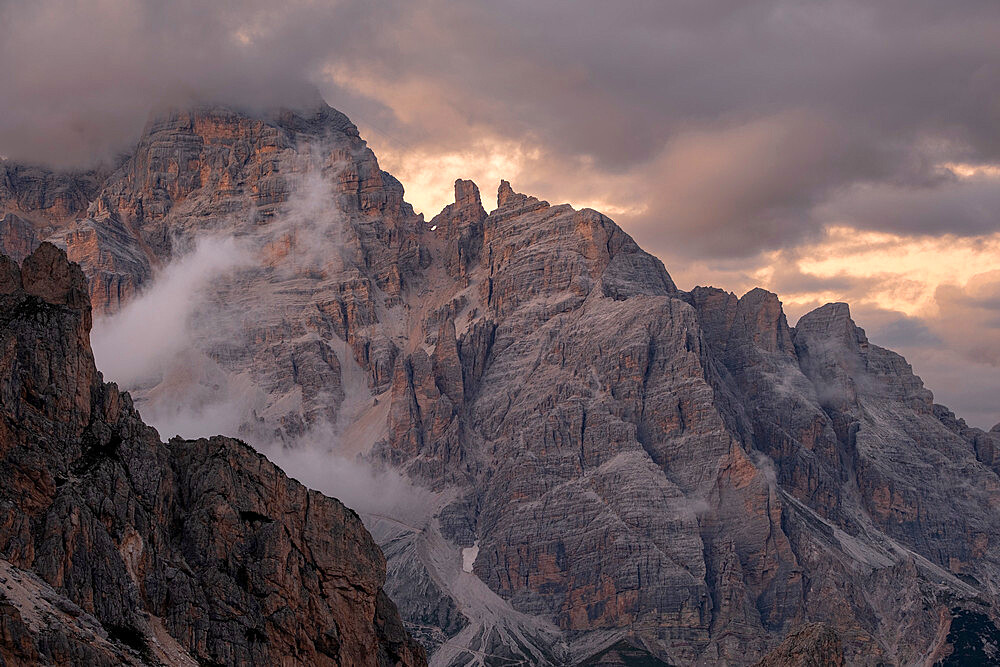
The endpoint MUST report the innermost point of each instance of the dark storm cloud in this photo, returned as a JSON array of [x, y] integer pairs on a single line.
[[739, 126], [80, 78], [950, 205], [734, 121]]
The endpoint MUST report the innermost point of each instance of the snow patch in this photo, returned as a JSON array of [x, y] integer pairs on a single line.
[[469, 555]]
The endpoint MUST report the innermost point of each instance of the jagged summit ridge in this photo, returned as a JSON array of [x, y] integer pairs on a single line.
[[683, 471]]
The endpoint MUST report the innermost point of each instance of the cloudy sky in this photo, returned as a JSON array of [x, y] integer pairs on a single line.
[[826, 150]]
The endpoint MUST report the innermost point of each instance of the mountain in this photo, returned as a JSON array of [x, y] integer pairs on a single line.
[[609, 461], [119, 549], [328, 270]]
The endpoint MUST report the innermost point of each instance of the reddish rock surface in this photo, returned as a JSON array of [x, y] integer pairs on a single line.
[[119, 549]]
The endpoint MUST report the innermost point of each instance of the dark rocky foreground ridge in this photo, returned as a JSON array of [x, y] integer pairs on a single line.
[[118, 549], [622, 465]]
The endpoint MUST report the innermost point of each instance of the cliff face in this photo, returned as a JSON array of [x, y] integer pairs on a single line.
[[326, 241], [46, 198], [118, 549], [614, 462], [681, 467]]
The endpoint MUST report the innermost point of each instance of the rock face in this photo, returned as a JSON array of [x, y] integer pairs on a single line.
[[325, 240], [814, 645], [46, 198], [118, 549], [612, 461]]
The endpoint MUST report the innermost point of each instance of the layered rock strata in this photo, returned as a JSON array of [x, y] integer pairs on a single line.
[[118, 549], [611, 459]]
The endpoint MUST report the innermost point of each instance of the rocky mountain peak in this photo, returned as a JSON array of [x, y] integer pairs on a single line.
[[467, 195], [506, 194], [832, 320], [755, 319], [831, 346], [511, 203], [461, 225], [48, 274], [466, 211]]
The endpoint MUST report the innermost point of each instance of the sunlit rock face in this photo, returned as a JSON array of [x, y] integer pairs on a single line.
[[118, 549], [683, 472], [323, 242]]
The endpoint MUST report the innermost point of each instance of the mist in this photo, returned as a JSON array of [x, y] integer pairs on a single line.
[[365, 488], [134, 345], [158, 345]]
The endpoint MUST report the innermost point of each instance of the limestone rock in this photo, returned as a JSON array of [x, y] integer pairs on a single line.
[[47, 198], [813, 645], [461, 224], [609, 458], [18, 237], [118, 549], [288, 185]]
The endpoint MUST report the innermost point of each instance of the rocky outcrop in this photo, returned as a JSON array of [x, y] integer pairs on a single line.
[[903, 455], [461, 224], [36, 203], [813, 645], [752, 339], [686, 464], [18, 237], [216, 168], [118, 549]]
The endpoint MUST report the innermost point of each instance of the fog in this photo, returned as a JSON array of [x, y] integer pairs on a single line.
[[136, 344], [159, 346]]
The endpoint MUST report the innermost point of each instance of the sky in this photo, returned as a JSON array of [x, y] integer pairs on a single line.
[[825, 150]]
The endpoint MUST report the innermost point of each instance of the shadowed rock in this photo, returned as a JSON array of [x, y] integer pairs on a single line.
[[813, 645], [118, 549]]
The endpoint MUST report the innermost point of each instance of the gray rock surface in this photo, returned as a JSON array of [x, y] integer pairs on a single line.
[[44, 197], [611, 458]]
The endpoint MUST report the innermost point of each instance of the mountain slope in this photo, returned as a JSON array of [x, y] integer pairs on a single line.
[[611, 459], [118, 549]]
